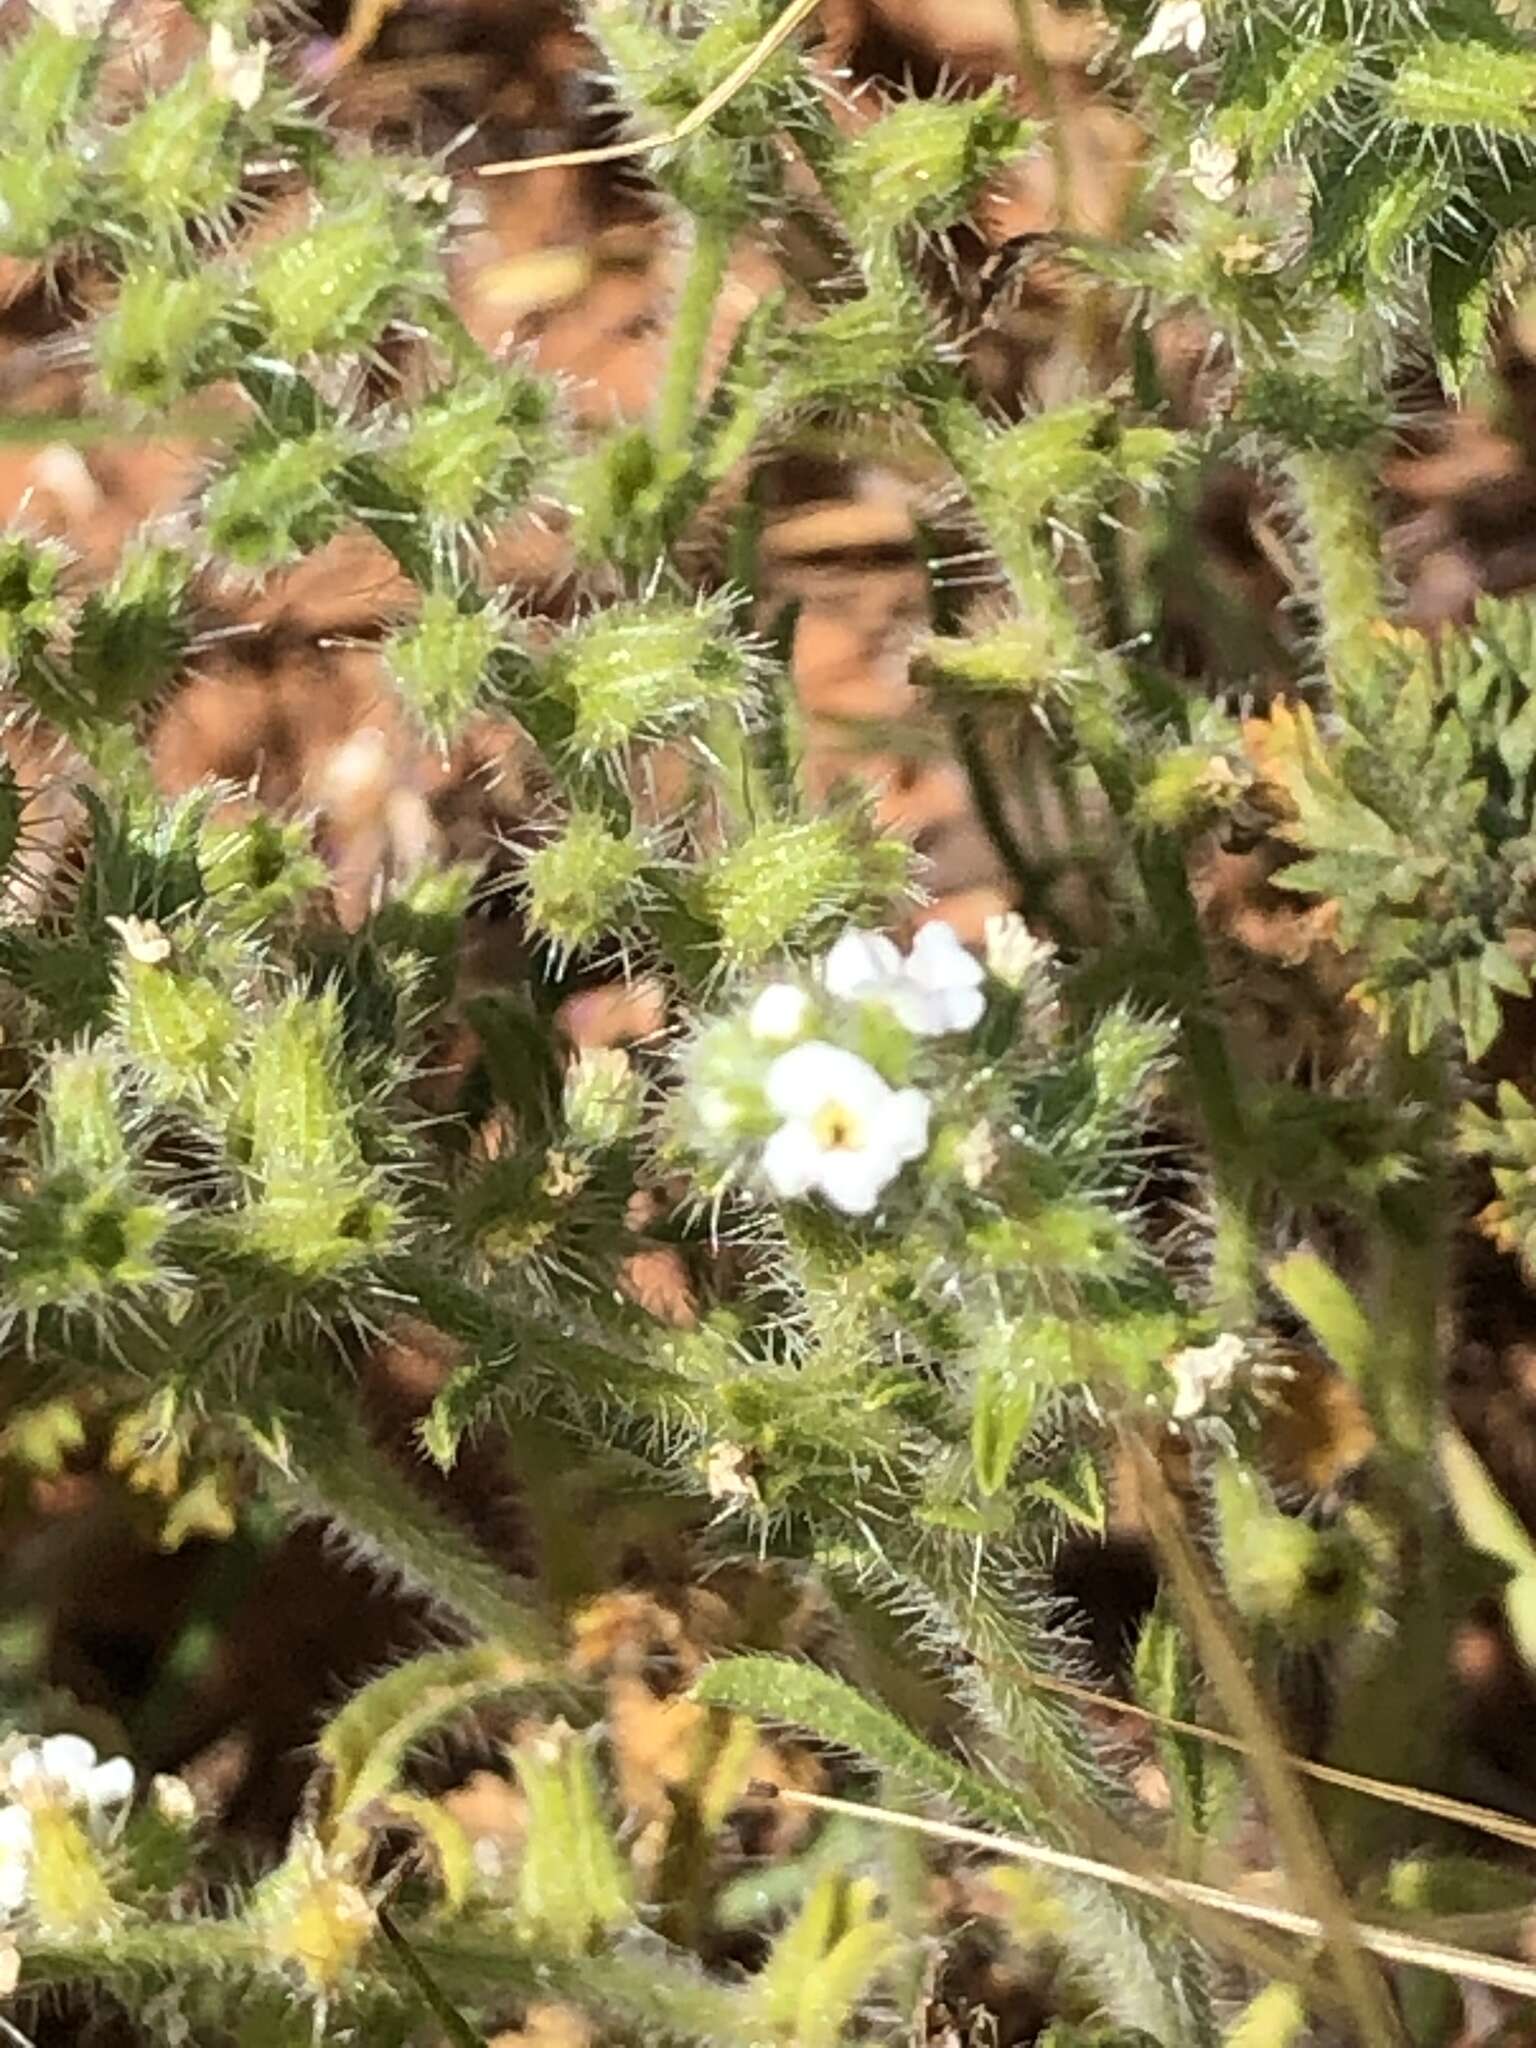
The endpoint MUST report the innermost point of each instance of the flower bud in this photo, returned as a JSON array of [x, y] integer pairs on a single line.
[[173, 1800], [1020, 657], [314, 1916], [868, 359], [583, 886], [313, 1206], [278, 499], [779, 884], [926, 162], [604, 1097], [471, 453], [646, 671], [165, 336], [45, 80], [43, 201], [259, 869], [1015, 957], [179, 158], [31, 601], [329, 288], [180, 1027], [439, 662], [132, 634]]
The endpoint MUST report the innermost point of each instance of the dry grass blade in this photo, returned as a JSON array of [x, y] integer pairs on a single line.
[[1504, 1827], [1389, 1943], [1303, 1849], [739, 75]]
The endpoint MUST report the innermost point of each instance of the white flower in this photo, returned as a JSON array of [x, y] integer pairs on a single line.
[[1014, 954], [1176, 25], [978, 1154], [238, 75], [174, 1799], [1204, 1374], [15, 1858], [935, 989], [74, 17], [62, 1771], [845, 1133], [64, 1768], [728, 1473], [1213, 169], [778, 1016], [142, 940]]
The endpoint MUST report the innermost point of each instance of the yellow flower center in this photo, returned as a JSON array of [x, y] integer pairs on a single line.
[[836, 1128]]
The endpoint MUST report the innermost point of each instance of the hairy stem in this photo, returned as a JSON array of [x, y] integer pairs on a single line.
[[1343, 532], [333, 1470], [693, 320]]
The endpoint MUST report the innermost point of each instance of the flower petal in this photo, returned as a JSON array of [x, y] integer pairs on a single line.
[[858, 963], [778, 1016], [791, 1161], [15, 1832], [68, 1760], [854, 1181], [804, 1080], [111, 1783], [960, 1008], [938, 960], [904, 1127]]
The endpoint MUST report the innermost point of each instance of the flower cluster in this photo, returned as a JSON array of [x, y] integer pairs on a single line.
[[817, 1074], [60, 1773]]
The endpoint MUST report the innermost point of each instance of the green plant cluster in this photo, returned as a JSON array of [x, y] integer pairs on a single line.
[[968, 1242]]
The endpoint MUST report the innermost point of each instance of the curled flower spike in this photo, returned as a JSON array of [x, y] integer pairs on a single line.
[[934, 990], [1176, 25], [845, 1133]]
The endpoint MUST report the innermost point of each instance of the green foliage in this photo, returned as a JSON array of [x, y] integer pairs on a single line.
[[1415, 820], [953, 1236]]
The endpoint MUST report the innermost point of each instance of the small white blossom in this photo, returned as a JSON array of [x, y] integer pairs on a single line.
[[1213, 169], [238, 75], [62, 1771], [1176, 25], [1014, 955], [15, 1858], [779, 1015], [142, 940], [978, 1154], [728, 1473], [1204, 1375], [934, 990], [845, 1133], [63, 1768], [174, 1799], [74, 17]]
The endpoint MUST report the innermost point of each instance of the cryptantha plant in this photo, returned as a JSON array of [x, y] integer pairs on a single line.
[[963, 1234]]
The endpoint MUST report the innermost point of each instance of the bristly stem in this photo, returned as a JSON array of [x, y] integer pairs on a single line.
[[334, 1471], [1343, 540], [693, 322]]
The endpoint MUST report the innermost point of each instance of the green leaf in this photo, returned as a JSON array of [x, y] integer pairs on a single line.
[[1317, 1294], [1492, 1526], [369, 1740]]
